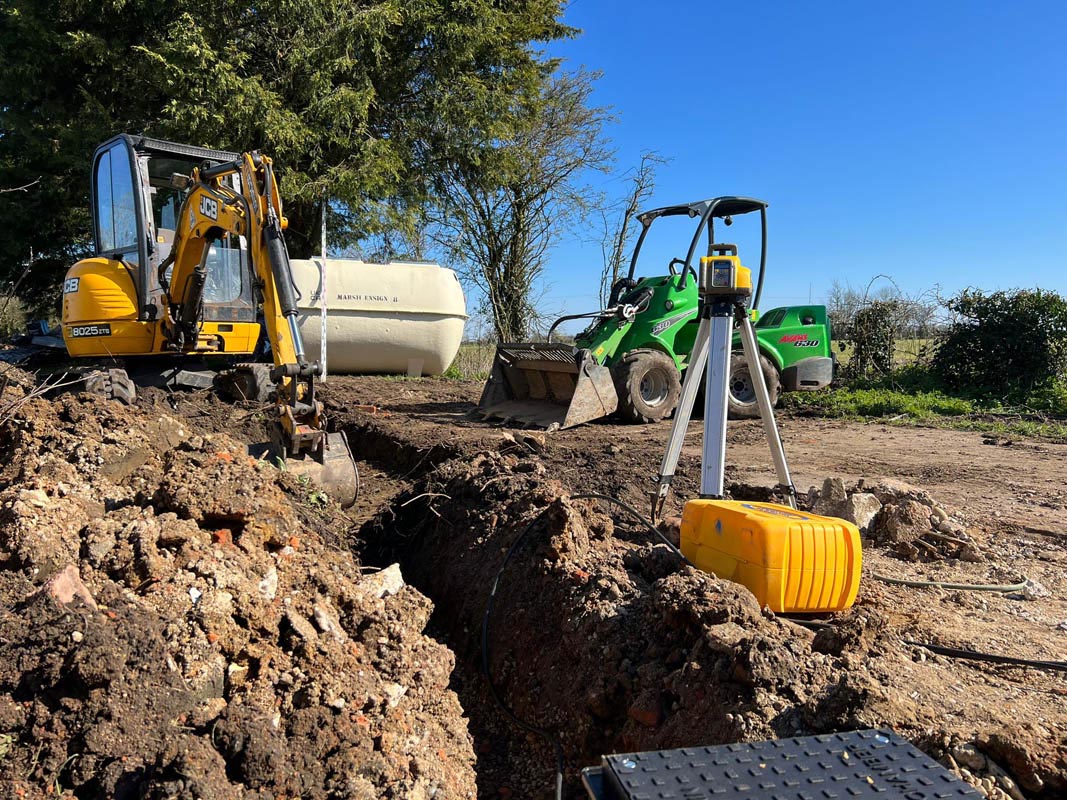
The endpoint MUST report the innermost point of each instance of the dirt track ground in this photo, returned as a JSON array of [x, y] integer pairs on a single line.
[[1012, 494], [999, 483]]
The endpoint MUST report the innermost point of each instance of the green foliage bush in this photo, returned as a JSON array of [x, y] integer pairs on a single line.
[[1009, 347], [872, 333]]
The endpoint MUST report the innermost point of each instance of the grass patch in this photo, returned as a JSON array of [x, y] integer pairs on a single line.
[[472, 363], [924, 407], [861, 402]]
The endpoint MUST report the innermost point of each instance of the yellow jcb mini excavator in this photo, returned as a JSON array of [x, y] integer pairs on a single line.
[[189, 248]]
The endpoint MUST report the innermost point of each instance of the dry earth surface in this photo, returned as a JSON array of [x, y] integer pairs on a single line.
[[177, 620], [601, 637]]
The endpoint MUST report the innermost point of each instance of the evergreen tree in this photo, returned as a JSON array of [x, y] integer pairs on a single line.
[[365, 102]]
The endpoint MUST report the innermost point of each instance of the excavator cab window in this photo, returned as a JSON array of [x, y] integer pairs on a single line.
[[136, 210], [226, 263], [116, 205], [227, 260]]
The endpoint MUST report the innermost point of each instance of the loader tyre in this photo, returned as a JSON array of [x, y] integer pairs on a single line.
[[114, 384], [741, 400], [648, 385]]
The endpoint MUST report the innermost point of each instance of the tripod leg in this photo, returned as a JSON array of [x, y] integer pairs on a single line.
[[682, 414], [716, 393], [763, 400]]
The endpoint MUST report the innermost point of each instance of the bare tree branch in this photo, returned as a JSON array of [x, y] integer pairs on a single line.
[[616, 239], [501, 214], [24, 188]]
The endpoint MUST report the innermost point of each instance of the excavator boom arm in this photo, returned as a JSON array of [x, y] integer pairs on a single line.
[[213, 210]]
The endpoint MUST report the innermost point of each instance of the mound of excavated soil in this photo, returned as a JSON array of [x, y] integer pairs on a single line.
[[170, 626], [602, 637]]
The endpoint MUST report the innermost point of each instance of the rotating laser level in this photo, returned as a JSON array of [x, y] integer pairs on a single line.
[[791, 560]]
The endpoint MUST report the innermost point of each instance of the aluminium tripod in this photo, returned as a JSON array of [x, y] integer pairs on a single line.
[[711, 349]]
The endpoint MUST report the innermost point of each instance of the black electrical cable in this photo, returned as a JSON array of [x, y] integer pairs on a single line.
[[954, 652], [992, 658], [526, 726], [636, 515], [486, 618]]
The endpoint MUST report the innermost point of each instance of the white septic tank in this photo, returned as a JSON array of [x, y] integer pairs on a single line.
[[403, 317]]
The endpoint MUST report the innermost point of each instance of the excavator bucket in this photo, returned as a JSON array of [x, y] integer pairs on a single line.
[[547, 386], [335, 474]]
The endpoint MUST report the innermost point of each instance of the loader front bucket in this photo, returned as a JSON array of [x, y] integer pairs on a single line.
[[547, 386]]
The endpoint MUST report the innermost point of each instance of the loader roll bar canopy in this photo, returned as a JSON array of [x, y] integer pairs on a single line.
[[720, 207], [707, 211]]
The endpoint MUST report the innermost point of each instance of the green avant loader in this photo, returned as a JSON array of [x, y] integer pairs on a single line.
[[631, 357]]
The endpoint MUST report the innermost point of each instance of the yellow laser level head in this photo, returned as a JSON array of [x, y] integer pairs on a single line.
[[723, 276]]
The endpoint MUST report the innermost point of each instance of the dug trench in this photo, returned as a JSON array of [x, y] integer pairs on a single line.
[[603, 641]]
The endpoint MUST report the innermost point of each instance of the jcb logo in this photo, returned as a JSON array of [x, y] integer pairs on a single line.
[[209, 207], [70, 285]]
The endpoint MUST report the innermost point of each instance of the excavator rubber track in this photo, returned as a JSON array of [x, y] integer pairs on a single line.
[[546, 385]]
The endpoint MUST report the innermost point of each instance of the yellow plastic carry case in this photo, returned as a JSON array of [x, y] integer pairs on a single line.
[[791, 560]]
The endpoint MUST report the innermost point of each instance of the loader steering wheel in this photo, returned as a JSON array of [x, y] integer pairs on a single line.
[[691, 271]]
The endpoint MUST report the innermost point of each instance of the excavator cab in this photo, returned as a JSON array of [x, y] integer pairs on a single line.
[[188, 251], [112, 301]]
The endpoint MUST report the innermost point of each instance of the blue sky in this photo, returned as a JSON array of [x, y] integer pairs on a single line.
[[927, 141]]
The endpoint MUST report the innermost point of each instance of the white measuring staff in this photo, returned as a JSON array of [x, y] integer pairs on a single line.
[[322, 295]]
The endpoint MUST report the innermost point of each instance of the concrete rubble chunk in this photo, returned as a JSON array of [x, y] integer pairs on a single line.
[[35, 497], [393, 694], [950, 527], [1035, 590], [861, 508], [830, 500], [386, 582], [236, 675], [268, 587], [304, 629], [327, 622], [969, 756]]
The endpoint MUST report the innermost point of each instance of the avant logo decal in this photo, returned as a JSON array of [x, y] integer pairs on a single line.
[[663, 325]]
